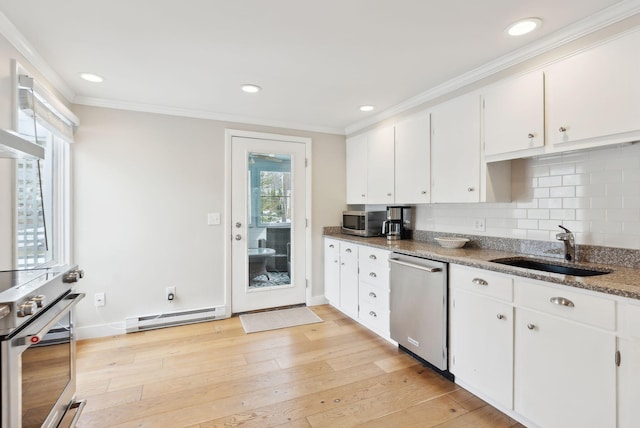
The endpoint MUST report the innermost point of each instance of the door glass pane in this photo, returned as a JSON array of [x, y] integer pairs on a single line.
[[269, 210]]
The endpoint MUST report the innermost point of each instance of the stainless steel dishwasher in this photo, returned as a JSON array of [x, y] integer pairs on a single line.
[[418, 304]]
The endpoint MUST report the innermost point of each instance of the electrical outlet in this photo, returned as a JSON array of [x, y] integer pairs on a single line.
[[98, 299], [171, 293], [478, 225]]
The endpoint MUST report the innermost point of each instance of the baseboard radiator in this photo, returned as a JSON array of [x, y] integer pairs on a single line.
[[170, 319]]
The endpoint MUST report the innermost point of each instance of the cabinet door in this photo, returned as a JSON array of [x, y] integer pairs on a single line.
[[332, 271], [455, 150], [357, 169], [380, 166], [628, 385], [482, 345], [564, 372], [514, 115], [596, 93], [349, 279], [412, 161]]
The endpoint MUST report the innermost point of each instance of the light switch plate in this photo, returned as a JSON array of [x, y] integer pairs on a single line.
[[213, 219]]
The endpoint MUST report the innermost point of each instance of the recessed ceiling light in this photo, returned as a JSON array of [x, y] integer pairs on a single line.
[[523, 26], [251, 88], [93, 78], [366, 108]]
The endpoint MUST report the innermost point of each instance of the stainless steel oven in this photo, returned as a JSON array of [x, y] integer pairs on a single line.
[[37, 354]]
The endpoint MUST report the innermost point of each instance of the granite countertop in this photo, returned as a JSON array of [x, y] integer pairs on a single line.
[[622, 281]]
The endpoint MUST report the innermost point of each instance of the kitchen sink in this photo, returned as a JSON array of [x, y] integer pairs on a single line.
[[543, 265]]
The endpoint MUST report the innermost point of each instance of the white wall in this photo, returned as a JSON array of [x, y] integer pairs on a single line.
[[594, 193], [144, 184]]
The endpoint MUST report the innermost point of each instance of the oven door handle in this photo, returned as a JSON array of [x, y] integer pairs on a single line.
[[62, 307]]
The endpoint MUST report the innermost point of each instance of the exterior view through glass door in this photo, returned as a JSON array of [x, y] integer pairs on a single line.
[[268, 215]]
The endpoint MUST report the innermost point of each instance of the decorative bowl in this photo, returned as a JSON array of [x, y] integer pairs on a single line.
[[451, 242]]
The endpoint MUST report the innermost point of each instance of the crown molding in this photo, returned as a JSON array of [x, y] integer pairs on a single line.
[[201, 114], [15, 37], [609, 16]]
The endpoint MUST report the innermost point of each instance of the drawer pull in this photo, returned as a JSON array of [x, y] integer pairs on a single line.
[[348, 250], [373, 257], [479, 281], [373, 314], [373, 275], [531, 326], [562, 301], [372, 294], [500, 316], [332, 246]]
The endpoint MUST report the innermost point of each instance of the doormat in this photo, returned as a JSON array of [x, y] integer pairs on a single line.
[[282, 318]]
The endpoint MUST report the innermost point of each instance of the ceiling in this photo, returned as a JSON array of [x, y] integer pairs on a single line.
[[317, 61]]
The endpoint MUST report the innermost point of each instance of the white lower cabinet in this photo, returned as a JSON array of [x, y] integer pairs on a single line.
[[628, 362], [357, 283], [564, 372], [481, 332], [547, 356]]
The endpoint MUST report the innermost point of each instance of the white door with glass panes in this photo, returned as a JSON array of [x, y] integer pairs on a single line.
[[268, 223]]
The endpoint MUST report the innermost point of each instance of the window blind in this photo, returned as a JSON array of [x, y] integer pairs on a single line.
[[36, 101]]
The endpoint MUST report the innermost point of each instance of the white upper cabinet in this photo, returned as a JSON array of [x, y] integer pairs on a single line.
[[380, 166], [357, 169], [455, 150], [513, 116], [593, 97], [412, 160]]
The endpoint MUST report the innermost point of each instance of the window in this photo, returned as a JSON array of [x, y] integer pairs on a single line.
[[269, 190], [42, 187]]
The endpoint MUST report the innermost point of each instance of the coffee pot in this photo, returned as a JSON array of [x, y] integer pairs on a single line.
[[394, 226]]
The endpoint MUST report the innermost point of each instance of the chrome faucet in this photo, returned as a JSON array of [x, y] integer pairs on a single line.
[[569, 243]]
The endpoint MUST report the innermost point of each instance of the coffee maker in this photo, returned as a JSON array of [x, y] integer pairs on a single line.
[[398, 223]]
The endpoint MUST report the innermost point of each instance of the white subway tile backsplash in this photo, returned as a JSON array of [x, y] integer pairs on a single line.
[[596, 194], [550, 181]]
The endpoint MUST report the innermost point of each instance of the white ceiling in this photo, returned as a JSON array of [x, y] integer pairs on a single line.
[[317, 61]]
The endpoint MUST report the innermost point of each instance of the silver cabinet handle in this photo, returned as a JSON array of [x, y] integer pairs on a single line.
[[424, 192], [373, 257], [332, 246], [388, 194], [500, 316], [373, 314], [335, 261], [562, 301], [531, 326], [411, 265], [470, 189], [479, 281], [373, 275], [562, 129], [348, 250], [372, 294], [238, 237], [238, 224], [530, 135], [362, 195]]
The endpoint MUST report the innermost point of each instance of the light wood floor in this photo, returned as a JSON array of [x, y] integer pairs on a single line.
[[335, 374]]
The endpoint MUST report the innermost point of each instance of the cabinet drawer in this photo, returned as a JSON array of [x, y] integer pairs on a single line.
[[374, 274], [374, 318], [629, 320], [331, 246], [373, 255], [348, 251], [377, 297], [481, 281], [566, 303]]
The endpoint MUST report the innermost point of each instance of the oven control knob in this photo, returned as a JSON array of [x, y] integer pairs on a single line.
[[27, 308], [73, 276], [39, 300]]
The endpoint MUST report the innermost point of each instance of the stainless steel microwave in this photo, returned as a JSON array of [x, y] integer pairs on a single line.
[[363, 223]]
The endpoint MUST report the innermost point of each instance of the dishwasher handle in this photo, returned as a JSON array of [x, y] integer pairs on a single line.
[[411, 265]]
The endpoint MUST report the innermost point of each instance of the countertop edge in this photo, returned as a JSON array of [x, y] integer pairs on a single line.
[[622, 281]]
